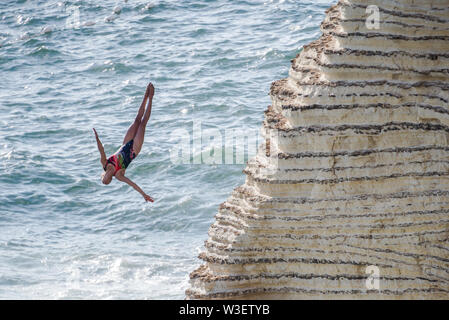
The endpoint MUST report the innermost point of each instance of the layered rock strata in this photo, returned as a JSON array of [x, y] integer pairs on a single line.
[[357, 174]]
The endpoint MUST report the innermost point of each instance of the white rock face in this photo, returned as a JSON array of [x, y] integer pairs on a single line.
[[355, 172]]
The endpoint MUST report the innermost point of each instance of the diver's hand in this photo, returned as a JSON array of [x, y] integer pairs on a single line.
[[96, 134], [148, 198]]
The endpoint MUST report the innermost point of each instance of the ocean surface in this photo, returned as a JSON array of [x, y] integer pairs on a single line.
[[69, 66]]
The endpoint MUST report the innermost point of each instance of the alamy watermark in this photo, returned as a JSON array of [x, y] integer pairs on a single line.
[[373, 19], [73, 20], [372, 282], [231, 146]]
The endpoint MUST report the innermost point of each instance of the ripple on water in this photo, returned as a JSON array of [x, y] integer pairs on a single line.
[[51, 133], [82, 186], [43, 51]]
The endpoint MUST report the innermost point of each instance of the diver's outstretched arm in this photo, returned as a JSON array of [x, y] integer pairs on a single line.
[[121, 177], [103, 159]]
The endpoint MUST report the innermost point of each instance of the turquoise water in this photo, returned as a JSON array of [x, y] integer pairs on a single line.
[[64, 70]]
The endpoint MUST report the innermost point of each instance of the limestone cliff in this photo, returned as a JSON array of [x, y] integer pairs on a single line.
[[357, 172]]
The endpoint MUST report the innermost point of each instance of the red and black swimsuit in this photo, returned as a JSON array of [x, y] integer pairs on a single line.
[[122, 158]]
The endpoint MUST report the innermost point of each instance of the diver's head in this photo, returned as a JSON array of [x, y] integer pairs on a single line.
[[106, 177]]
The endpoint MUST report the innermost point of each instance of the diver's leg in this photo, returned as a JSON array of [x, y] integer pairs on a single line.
[[132, 130], [140, 135]]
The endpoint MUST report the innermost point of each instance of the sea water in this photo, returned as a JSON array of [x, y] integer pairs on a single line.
[[69, 66]]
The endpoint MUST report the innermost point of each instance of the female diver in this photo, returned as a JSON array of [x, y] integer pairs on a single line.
[[116, 164]]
